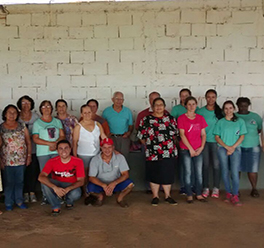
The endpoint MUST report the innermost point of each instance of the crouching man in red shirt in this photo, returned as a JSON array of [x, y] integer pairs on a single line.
[[67, 177]]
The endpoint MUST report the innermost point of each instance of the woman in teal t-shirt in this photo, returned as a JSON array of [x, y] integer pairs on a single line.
[[250, 146], [229, 133], [211, 113]]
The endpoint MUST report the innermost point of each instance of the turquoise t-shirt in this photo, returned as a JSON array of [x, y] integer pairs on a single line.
[[49, 131], [178, 110], [118, 122], [230, 131], [254, 125], [211, 120]]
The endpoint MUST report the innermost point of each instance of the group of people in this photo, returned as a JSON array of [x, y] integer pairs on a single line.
[[89, 155], [221, 138]]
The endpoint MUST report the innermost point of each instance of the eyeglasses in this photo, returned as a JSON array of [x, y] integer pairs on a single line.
[[48, 107], [25, 103], [119, 99]]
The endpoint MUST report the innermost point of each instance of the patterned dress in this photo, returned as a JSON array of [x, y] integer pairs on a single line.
[[68, 125], [14, 149], [159, 134]]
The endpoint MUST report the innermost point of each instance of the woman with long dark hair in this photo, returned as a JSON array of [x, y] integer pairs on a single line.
[[211, 113], [229, 133]]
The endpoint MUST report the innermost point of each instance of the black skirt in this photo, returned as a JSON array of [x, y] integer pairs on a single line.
[[161, 171]]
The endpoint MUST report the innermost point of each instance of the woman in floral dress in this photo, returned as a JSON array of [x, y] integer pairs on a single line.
[[68, 121], [157, 132], [15, 155]]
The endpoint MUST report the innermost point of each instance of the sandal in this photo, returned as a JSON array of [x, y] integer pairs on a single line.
[[201, 199], [55, 212], [122, 204], [254, 193]]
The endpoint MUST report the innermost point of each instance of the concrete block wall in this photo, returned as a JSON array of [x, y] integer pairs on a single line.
[[89, 50]]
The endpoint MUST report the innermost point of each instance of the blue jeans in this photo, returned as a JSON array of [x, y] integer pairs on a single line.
[[210, 157], [232, 163], [54, 200], [42, 161], [197, 171], [14, 183]]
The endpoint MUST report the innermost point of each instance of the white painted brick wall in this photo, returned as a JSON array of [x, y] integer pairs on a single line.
[[90, 52]]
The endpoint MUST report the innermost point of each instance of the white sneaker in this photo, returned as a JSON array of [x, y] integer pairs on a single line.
[[205, 193], [26, 198]]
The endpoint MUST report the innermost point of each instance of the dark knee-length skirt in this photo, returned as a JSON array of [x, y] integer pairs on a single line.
[[161, 171]]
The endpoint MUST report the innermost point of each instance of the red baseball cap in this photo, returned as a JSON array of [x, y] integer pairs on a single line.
[[107, 141]]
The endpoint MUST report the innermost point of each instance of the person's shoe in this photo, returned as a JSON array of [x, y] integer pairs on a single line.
[[122, 204], [189, 199], [236, 201], [171, 201], [69, 206], [8, 208], [33, 198], [215, 193], [201, 199], [182, 191], [206, 192], [22, 206], [26, 198], [254, 193], [228, 198], [155, 201], [55, 212], [91, 199], [44, 201], [97, 203]]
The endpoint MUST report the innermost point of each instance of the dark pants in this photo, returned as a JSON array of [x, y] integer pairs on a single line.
[[31, 175], [122, 145]]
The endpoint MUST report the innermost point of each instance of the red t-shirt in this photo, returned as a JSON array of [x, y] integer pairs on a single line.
[[68, 172], [192, 130]]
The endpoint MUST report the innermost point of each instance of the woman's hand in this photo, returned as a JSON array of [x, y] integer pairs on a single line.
[[230, 150], [192, 152], [52, 146], [28, 162], [199, 151]]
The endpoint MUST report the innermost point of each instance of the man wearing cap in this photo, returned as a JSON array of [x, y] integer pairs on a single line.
[[67, 178], [120, 122], [108, 174]]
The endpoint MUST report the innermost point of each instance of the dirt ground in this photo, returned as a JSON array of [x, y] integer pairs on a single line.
[[212, 224]]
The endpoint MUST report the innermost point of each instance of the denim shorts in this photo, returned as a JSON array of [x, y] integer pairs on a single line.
[[250, 159]]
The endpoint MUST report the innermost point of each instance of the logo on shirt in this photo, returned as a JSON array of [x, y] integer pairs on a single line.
[[237, 132], [66, 174], [252, 122]]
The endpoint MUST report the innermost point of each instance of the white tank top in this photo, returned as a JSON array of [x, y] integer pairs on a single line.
[[89, 142]]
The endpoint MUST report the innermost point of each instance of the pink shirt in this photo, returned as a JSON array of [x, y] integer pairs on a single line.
[[192, 130]]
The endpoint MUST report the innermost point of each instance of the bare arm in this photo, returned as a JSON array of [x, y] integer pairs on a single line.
[[75, 138], [77, 184], [61, 135], [28, 144], [203, 137], [110, 187], [186, 142], [128, 133], [102, 134]]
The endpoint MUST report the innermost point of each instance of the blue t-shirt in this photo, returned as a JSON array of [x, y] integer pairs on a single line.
[[49, 131], [118, 122]]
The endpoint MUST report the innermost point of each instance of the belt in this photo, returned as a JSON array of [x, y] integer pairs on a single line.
[[117, 135]]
